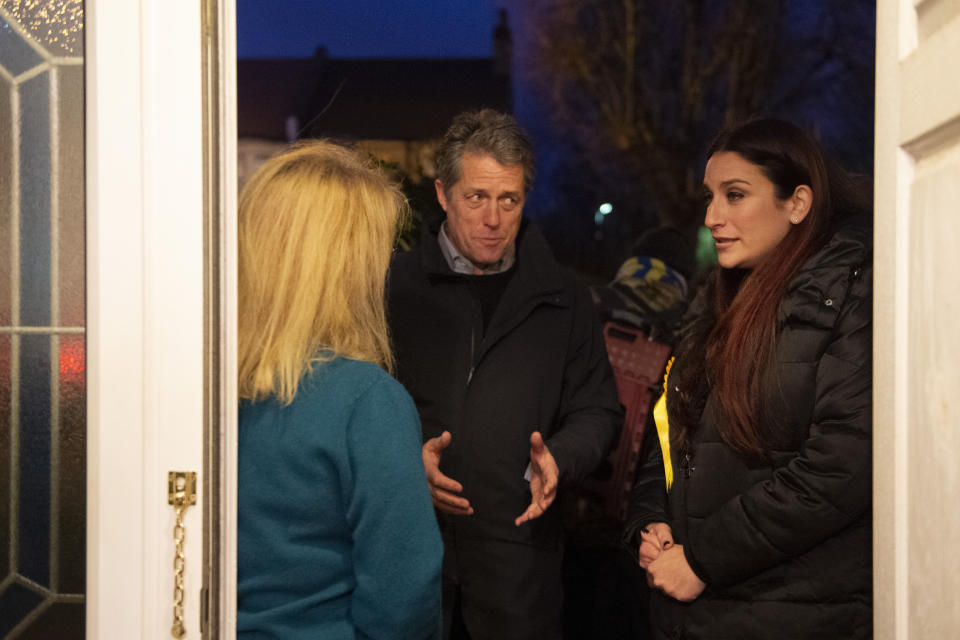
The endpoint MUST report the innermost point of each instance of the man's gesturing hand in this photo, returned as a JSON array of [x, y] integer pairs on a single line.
[[443, 490], [543, 480]]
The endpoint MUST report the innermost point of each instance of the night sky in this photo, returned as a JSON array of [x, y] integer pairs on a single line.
[[394, 29], [366, 28], [837, 105]]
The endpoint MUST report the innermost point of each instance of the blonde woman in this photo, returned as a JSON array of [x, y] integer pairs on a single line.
[[337, 535]]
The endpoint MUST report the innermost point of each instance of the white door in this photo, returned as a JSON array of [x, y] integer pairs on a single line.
[[146, 171], [916, 336]]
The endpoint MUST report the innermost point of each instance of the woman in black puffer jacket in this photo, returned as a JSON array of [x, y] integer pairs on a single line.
[[759, 523]]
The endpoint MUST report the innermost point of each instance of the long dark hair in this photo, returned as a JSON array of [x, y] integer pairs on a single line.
[[733, 339]]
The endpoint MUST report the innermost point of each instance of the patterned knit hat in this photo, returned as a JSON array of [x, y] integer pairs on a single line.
[[670, 245]]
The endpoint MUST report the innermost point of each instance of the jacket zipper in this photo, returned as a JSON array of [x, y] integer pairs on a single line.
[[525, 311], [688, 467], [473, 366], [473, 338]]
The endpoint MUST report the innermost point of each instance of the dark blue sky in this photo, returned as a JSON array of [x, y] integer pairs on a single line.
[[366, 28]]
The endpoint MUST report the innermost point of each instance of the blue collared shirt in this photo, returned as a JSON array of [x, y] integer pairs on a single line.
[[459, 264]]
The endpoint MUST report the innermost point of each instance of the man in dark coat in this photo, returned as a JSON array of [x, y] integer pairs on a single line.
[[502, 352]]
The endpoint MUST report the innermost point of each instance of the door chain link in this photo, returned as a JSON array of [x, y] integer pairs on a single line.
[[182, 492]]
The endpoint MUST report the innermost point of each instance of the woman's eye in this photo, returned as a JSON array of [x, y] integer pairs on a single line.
[[733, 196], [707, 198]]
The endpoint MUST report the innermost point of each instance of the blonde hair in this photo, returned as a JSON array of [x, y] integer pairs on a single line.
[[316, 229]]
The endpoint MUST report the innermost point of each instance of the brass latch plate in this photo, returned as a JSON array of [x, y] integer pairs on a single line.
[[182, 488]]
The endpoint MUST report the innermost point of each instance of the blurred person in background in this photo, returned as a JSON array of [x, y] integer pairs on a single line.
[[641, 310], [651, 288]]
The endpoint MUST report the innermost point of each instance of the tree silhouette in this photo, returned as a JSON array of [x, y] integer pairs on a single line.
[[639, 87]]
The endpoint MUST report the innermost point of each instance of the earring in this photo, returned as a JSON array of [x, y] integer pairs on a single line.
[[795, 220]]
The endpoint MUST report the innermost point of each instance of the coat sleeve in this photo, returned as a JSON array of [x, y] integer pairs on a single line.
[[824, 489], [590, 414], [648, 501], [397, 550]]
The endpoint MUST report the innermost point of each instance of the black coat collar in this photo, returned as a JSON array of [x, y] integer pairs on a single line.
[[537, 271], [819, 290]]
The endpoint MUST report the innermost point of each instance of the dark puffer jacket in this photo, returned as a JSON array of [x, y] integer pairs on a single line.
[[784, 546]]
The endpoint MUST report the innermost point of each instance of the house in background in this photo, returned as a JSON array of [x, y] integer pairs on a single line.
[[396, 109]]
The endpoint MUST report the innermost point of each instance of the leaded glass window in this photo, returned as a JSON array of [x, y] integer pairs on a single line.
[[42, 348]]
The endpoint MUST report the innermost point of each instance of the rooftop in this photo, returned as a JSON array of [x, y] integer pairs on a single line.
[[364, 98]]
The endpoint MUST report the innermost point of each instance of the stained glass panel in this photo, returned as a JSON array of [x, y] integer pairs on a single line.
[[62, 620], [34, 190], [55, 25], [42, 342], [17, 601], [72, 451], [5, 455], [69, 169], [6, 184], [33, 490], [16, 56]]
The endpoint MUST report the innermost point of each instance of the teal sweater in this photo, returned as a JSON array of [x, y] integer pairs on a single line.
[[337, 537]]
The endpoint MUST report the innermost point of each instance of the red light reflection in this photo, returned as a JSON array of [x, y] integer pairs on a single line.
[[73, 362]]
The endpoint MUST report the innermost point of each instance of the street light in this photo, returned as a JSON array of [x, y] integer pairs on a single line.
[[604, 209]]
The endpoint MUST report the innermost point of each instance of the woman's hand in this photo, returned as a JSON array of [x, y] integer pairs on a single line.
[[671, 574], [655, 538]]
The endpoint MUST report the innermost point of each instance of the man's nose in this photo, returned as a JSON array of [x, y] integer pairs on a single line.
[[491, 214]]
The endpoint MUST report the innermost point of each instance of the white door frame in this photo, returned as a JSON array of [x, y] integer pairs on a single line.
[[916, 342], [145, 313], [221, 91], [144, 174]]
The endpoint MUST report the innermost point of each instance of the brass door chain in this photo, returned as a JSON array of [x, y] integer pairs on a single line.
[[182, 492], [179, 560]]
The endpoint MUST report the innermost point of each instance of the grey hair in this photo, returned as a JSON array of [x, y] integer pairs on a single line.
[[486, 132]]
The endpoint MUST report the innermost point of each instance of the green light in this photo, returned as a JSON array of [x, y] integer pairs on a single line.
[[706, 249]]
